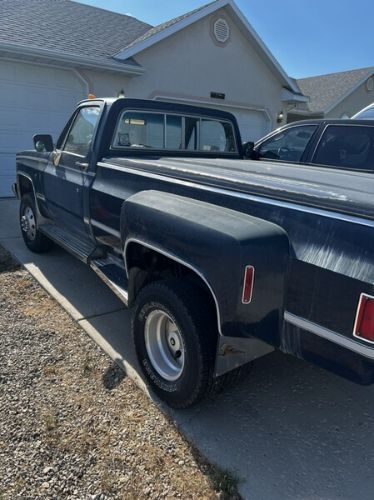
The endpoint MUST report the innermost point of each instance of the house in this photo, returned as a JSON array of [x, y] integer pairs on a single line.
[[54, 53], [337, 95]]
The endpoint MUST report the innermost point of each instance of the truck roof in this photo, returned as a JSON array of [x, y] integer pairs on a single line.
[[172, 106]]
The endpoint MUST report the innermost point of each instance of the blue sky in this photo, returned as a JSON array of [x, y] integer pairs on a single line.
[[308, 37]]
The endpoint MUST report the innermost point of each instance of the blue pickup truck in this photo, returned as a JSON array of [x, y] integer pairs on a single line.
[[221, 259]]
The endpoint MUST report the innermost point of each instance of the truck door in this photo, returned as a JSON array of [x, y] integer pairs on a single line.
[[67, 173]]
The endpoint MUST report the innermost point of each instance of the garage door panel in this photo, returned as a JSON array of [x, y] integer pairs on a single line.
[[33, 99], [7, 174]]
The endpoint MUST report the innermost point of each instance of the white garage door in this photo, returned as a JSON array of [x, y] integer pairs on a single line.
[[252, 124], [33, 99]]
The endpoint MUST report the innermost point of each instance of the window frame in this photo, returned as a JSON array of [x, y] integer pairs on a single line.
[[65, 134], [286, 129], [183, 116], [338, 167]]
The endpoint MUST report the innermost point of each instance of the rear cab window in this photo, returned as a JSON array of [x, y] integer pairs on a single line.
[[346, 146], [158, 131]]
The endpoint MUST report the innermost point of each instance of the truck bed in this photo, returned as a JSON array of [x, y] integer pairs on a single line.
[[346, 192]]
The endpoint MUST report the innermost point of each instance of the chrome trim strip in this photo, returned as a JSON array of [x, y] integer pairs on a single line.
[[327, 334], [180, 261], [105, 228], [269, 201], [362, 295]]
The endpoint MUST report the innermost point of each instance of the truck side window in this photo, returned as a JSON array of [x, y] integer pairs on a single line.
[[346, 146], [288, 145], [80, 135]]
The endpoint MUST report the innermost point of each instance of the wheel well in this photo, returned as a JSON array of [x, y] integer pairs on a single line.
[[145, 265], [25, 185]]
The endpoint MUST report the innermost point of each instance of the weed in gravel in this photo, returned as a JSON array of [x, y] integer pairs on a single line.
[[113, 376], [225, 482], [50, 421], [88, 366]]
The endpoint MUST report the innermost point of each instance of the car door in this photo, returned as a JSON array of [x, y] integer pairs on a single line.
[[346, 146], [67, 172], [288, 145]]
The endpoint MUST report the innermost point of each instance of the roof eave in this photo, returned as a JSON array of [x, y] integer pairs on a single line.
[[209, 9], [291, 97], [68, 59]]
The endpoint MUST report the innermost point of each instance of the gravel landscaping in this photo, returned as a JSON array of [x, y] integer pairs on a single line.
[[71, 424]]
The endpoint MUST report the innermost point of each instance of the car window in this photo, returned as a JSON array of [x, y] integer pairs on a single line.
[[346, 146], [366, 114], [138, 129], [287, 145], [81, 133]]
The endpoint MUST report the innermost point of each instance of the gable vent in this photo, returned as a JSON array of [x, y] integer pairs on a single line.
[[221, 30]]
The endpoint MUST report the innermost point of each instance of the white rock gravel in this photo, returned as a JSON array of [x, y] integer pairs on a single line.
[[71, 425]]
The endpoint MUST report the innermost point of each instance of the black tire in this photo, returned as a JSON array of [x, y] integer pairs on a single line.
[[189, 310], [33, 238]]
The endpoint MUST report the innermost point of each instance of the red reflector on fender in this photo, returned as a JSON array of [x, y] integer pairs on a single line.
[[364, 324], [249, 276]]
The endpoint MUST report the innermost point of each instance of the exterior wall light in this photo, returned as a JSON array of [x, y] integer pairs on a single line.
[[121, 94], [280, 117]]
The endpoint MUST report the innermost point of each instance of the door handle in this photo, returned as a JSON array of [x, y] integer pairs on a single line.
[[82, 166]]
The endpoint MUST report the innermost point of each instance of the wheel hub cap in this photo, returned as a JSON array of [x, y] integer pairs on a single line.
[[164, 345], [28, 223]]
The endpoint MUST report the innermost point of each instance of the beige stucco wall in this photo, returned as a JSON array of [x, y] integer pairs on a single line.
[[104, 84], [357, 100], [190, 64]]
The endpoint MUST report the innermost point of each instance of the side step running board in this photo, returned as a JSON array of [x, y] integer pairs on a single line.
[[114, 275], [81, 247]]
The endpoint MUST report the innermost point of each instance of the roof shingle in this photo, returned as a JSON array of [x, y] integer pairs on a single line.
[[325, 90], [68, 26]]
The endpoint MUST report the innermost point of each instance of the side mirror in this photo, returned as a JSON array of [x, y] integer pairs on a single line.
[[248, 148], [43, 142]]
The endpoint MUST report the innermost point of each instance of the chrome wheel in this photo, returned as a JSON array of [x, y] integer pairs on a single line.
[[164, 345], [28, 223]]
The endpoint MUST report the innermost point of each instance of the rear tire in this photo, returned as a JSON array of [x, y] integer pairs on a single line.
[[175, 337], [33, 238]]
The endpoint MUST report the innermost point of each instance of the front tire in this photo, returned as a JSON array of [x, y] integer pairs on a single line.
[[33, 238], [174, 332]]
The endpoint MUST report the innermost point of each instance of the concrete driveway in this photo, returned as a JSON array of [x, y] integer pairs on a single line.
[[291, 430]]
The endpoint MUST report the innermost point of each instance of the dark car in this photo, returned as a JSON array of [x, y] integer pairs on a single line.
[[332, 143]]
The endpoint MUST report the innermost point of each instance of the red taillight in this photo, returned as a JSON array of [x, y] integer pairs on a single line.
[[364, 324], [249, 276]]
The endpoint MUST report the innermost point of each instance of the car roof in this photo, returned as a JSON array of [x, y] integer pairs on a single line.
[[317, 122]]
